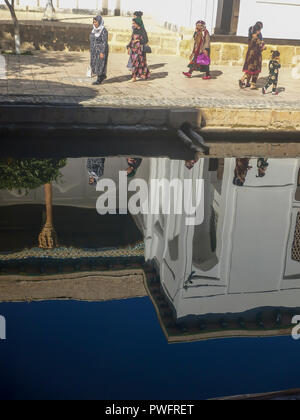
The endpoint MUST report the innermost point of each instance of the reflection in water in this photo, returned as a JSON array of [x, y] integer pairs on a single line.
[[235, 271]]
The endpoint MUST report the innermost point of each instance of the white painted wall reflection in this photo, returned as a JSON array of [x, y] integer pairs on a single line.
[[241, 256], [73, 189]]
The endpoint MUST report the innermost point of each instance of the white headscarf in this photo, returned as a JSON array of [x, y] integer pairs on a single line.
[[98, 31]]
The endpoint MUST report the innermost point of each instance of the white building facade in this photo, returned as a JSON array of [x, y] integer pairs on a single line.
[[280, 17]]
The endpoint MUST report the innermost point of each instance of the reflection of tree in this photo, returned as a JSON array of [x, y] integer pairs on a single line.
[[29, 174], [11, 6]]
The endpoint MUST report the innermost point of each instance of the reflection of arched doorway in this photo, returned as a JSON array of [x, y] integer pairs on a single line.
[[228, 17]]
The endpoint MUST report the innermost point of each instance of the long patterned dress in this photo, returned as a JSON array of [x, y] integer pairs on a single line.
[[138, 58], [202, 43], [253, 62], [99, 46]]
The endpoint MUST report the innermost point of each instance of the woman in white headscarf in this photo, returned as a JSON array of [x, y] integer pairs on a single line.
[[99, 50]]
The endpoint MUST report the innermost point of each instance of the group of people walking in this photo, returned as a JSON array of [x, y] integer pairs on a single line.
[[137, 49], [253, 63], [199, 60]]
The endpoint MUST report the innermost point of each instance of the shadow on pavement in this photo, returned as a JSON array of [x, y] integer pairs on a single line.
[[29, 90], [214, 74], [45, 59], [127, 78], [157, 66]]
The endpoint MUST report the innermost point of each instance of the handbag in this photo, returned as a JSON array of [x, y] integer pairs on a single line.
[[89, 72], [203, 60], [130, 65], [147, 49]]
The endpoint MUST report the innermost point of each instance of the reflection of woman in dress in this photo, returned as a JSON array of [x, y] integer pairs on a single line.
[[201, 46], [253, 63], [241, 170], [133, 166], [99, 49], [95, 168], [136, 51]]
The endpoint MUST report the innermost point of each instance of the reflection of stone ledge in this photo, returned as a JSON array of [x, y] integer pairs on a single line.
[[291, 394], [88, 286], [210, 327]]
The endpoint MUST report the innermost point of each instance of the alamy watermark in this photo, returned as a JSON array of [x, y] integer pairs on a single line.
[[3, 74], [296, 329], [160, 196], [2, 328]]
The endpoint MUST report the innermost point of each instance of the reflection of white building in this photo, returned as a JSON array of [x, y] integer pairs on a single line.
[[280, 17], [240, 257]]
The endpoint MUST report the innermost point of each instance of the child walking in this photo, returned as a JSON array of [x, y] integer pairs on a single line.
[[274, 67]]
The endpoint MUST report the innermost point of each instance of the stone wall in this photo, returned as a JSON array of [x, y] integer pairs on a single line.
[[58, 36], [233, 54]]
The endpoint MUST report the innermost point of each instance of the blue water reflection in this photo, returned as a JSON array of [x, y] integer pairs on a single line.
[[116, 350]]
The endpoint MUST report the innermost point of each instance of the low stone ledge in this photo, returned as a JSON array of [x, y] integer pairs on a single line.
[[82, 115], [267, 119], [208, 117]]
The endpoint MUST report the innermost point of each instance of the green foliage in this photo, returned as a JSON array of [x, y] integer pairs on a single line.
[[28, 174]]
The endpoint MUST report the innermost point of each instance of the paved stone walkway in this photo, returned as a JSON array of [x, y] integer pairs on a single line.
[[59, 77]]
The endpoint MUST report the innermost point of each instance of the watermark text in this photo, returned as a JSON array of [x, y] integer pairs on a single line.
[[159, 196], [2, 328]]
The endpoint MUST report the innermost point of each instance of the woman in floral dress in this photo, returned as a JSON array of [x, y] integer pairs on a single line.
[[136, 51], [201, 46], [253, 63]]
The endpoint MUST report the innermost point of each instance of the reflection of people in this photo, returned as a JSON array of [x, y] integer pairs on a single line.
[[95, 167], [189, 164], [133, 166], [253, 63], [262, 165], [241, 171], [138, 60], [99, 49], [274, 66], [201, 47]]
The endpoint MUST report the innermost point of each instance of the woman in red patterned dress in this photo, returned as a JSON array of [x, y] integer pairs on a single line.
[[253, 63], [201, 46], [136, 51]]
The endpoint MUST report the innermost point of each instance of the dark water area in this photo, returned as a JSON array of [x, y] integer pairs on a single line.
[[228, 269], [116, 350]]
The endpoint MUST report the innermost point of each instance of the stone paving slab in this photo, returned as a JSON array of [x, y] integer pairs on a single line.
[[59, 79]]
